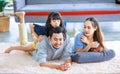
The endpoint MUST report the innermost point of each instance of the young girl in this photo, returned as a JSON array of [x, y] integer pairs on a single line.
[[54, 20], [37, 30], [88, 45]]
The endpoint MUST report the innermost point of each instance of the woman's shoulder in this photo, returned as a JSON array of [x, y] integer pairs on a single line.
[[80, 34]]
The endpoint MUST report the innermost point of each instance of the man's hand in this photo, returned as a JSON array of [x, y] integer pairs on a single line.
[[65, 66], [68, 65], [62, 67]]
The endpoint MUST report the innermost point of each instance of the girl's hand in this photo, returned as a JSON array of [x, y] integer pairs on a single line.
[[84, 39], [40, 37]]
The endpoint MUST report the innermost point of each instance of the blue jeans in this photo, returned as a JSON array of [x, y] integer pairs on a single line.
[[91, 57]]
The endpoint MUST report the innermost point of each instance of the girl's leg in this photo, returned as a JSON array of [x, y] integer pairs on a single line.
[[21, 16], [21, 47], [33, 34], [22, 28], [31, 28]]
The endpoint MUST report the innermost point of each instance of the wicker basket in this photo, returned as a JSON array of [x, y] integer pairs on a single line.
[[4, 23]]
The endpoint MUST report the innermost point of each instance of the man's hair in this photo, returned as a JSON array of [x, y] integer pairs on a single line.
[[57, 30]]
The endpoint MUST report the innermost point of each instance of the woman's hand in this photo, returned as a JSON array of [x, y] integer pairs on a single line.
[[94, 44], [84, 40]]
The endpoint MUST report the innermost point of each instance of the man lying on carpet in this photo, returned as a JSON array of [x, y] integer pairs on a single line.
[[56, 46]]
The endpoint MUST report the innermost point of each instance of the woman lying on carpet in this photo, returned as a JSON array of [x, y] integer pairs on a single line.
[[92, 53], [88, 45]]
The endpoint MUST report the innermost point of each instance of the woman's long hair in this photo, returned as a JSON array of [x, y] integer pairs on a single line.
[[98, 34], [54, 16]]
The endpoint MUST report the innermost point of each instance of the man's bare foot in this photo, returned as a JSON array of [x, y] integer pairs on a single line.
[[8, 50]]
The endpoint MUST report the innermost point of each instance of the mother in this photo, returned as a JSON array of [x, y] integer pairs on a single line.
[[89, 47]]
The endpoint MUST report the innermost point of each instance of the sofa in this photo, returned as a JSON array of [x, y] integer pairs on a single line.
[[72, 10]]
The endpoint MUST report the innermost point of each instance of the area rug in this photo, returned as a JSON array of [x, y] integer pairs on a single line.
[[21, 62]]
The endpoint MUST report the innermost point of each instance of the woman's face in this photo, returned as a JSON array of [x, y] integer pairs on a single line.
[[55, 23], [88, 28]]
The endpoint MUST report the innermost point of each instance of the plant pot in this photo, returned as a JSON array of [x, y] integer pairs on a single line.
[[4, 23]]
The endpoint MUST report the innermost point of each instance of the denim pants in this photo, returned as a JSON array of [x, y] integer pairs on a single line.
[[91, 57]]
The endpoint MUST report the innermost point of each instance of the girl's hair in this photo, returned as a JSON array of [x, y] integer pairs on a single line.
[[98, 34], [54, 16]]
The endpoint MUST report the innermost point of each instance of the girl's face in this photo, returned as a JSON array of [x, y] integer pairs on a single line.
[[89, 29], [55, 23]]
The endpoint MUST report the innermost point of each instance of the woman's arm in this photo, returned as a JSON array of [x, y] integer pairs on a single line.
[[94, 46], [86, 49], [87, 42], [98, 49]]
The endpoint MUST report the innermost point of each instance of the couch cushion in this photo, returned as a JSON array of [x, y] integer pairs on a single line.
[[67, 1], [70, 7]]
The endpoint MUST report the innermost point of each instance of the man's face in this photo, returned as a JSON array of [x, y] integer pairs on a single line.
[[57, 40]]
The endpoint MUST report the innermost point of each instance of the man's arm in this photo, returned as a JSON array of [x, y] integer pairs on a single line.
[[41, 56], [54, 66]]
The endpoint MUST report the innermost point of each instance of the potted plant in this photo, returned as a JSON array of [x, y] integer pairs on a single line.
[[4, 20], [3, 3]]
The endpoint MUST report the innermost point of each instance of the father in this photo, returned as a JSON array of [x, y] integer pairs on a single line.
[[56, 46]]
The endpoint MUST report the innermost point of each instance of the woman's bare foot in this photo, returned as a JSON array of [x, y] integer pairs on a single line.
[[8, 50], [75, 31]]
